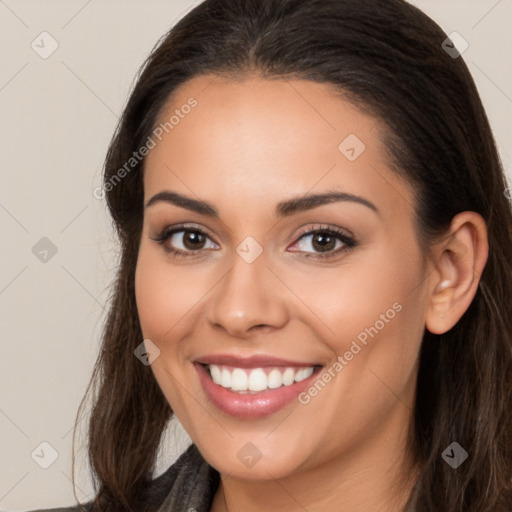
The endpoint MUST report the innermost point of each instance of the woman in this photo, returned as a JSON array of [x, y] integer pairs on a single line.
[[315, 274]]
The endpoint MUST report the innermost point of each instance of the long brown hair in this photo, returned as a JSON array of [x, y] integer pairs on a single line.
[[387, 58]]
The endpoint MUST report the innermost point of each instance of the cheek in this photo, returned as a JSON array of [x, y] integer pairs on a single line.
[[375, 323], [373, 311], [165, 294], [352, 296], [164, 298]]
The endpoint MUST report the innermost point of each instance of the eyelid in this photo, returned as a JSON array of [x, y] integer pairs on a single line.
[[324, 227], [186, 226]]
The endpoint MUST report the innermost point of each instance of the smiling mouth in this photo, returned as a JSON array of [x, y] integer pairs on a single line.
[[257, 380]]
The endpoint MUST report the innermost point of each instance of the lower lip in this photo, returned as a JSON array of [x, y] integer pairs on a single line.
[[250, 405]]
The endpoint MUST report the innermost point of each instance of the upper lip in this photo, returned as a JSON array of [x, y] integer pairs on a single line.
[[254, 361]]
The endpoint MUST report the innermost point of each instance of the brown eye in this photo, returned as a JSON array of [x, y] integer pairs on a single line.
[[323, 242], [183, 240], [193, 240]]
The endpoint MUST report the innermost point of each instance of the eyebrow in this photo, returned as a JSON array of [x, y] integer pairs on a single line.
[[283, 209]]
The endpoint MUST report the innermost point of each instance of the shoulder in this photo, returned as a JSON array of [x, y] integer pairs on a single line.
[[188, 483]]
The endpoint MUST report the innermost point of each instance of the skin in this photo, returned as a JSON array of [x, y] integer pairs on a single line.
[[247, 145]]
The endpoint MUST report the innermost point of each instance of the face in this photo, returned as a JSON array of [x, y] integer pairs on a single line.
[[317, 306]]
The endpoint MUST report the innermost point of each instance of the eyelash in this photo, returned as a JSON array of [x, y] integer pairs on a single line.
[[167, 233]]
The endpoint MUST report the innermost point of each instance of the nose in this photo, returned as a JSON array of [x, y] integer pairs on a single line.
[[249, 298]]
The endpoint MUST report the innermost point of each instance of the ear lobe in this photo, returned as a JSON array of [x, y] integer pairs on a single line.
[[462, 258]]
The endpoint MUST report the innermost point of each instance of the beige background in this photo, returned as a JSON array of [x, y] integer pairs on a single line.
[[57, 117]]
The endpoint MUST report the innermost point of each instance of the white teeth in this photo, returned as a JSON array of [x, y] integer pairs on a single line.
[[225, 380], [215, 371], [247, 380], [303, 374], [238, 380], [274, 379], [257, 380], [288, 376]]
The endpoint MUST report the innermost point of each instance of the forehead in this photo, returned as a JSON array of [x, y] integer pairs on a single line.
[[253, 139]]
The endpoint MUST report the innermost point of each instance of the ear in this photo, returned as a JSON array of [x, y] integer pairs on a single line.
[[459, 261]]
